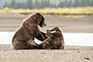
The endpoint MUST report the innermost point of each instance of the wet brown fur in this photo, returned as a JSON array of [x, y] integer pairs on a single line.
[[28, 31], [54, 41]]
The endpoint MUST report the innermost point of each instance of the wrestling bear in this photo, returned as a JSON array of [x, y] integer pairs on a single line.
[[54, 41], [28, 31]]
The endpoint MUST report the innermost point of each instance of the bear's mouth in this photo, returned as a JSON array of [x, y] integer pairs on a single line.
[[42, 24]]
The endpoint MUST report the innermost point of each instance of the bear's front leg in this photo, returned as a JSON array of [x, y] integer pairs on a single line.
[[42, 36], [55, 29], [33, 44]]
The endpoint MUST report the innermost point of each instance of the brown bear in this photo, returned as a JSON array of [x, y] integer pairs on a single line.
[[28, 31], [54, 41]]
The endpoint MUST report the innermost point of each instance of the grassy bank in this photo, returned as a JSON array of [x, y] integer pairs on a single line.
[[50, 10]]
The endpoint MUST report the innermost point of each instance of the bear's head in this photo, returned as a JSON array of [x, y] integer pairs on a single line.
[[39, 19], [53, 34], [54, 39]]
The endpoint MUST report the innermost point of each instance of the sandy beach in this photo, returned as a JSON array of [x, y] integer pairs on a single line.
[[69, 54], [9, 23]]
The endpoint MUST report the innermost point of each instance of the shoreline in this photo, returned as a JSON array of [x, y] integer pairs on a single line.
[[74, 39]]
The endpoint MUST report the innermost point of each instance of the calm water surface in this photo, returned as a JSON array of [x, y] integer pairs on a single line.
[[75, 39]]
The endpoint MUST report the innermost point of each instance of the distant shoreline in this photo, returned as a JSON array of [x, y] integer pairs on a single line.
[[72, 39], [87, 11]]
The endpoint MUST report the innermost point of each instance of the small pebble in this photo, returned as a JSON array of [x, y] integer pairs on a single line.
[[86, 58], [78, 51]]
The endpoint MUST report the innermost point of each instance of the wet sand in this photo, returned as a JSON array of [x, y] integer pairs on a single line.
[[9, 23], [67, 24], [69, 54]]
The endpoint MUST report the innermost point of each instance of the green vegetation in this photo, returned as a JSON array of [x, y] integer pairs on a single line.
[[6, 10], [50, 10], [36, 4]]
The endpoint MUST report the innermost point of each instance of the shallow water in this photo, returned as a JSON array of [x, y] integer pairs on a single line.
[[73, 39]]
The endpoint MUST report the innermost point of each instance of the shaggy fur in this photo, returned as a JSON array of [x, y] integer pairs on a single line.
[[54, 41], [28, 31]]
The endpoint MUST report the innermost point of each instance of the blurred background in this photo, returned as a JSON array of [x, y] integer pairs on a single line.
[[73, 17], [69, 15], [39, 4]]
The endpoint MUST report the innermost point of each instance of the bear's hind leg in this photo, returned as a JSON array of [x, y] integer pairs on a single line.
[[20, 45]]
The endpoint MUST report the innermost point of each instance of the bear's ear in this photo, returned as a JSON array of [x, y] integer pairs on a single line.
[[48, 33], [37, 13]]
